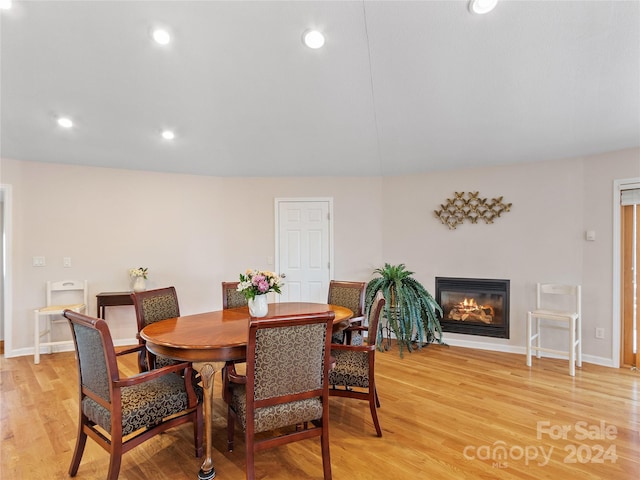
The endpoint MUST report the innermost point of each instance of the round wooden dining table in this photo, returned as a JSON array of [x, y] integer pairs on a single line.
[[211, 339]]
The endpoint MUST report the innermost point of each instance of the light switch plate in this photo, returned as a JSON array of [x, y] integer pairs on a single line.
[[39, 262]]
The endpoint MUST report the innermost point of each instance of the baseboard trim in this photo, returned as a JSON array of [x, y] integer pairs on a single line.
[[454, 342], [66, 347], [496, 347]]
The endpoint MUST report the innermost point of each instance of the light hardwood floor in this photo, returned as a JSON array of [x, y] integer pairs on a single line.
[[446, 413]]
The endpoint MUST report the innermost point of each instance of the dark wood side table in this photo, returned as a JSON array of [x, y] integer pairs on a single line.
[[112, 299]]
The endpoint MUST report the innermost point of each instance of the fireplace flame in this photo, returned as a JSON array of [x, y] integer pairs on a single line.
[[471, 303], [469, 310]]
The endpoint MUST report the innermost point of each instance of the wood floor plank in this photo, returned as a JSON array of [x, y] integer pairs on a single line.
[[447, 413]]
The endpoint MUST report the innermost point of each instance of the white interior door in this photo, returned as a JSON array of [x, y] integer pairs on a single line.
[[304, 248]]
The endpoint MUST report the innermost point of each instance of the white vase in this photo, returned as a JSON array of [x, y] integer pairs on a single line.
[[258, 306], [139, 284]]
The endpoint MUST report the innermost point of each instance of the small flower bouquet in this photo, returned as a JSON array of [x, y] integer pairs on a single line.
[[259, 282], [138, 272]]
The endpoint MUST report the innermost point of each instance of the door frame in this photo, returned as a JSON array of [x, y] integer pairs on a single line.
[[616, 332], [277, 202]]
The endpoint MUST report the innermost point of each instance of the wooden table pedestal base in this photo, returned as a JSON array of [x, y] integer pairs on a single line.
[[207, 372]]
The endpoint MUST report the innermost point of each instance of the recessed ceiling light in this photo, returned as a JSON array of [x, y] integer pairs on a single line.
[[161, 36], [313, 39], [482, 6], [65, 122], [5, 4], [168, 135]]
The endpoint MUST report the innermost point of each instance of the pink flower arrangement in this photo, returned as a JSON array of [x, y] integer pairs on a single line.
[[259, 282]]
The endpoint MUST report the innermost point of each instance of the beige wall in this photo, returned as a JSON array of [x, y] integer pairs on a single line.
[[541, 239], [191, 232], [194, 232]]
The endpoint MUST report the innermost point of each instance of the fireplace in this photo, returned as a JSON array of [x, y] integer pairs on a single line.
[[475, 306]]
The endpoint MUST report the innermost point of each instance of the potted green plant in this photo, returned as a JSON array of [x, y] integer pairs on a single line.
[[410, 310]]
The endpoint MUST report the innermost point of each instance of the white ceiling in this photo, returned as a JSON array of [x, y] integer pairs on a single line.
[[399, 87]]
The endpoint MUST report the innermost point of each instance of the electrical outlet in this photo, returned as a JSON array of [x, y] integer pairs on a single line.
[[599, 332]]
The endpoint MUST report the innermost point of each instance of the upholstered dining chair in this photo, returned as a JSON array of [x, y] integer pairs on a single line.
[[121, 413], [152, 306], [353, 374], [284, 394], [231, 297], [351, 296]]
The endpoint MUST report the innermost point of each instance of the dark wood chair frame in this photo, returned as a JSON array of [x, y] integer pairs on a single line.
[[114, 442], [358, 315], [138, 299], [371, 394], [226, 286], [320, 427]]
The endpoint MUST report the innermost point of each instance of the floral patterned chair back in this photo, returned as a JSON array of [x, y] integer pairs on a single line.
[[286, 384], [231, 297], [152, 306]]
